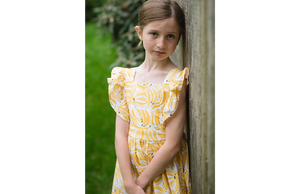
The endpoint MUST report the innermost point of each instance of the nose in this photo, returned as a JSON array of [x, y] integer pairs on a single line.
[[161, 43]]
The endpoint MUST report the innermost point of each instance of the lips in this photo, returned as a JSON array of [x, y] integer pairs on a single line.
[[159, 52]]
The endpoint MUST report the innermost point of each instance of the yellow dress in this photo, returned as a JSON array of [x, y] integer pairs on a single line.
[[147, 106]]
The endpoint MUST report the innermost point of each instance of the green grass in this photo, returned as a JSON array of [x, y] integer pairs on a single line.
[[100, 117]]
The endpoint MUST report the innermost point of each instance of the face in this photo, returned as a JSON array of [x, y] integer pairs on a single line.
[[160, 38]]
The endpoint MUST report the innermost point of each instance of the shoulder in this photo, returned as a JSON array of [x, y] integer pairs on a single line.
[[121, 72], [177, 75], [118, 70]]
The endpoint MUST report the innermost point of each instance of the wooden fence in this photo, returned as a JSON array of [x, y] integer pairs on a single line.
[[197, 51]]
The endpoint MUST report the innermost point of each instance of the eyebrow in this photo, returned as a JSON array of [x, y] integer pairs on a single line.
[[167, 32]]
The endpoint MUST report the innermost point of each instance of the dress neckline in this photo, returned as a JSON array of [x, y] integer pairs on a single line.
[[166, 78]]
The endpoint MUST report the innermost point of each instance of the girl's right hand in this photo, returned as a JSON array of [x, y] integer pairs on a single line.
[[135, 190], [140, 190]]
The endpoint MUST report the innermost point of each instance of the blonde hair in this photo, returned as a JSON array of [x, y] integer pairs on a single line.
[[155, 10]]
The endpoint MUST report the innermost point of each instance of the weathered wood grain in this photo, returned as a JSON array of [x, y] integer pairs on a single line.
[[197, 51]]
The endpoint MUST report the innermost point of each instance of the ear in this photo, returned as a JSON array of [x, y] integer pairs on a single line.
[[139, 32]]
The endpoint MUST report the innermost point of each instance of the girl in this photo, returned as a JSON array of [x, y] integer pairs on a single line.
[[150, 102]]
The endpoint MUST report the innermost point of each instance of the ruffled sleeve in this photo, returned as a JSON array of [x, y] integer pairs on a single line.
[[175, 85], [116, 93]]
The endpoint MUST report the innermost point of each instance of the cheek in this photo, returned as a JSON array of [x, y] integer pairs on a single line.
[[173, 45], [148, 43]]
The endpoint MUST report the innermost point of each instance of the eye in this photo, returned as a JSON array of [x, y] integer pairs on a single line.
[[171, 36], [153, 34]]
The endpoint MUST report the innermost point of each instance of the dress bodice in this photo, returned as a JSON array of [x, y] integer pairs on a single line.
[[145, 105]]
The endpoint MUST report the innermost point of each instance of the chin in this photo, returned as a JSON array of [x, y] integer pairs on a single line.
[[160, 58]]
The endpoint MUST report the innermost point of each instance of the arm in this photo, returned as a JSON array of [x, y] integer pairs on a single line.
[[122, 151], [165, 155]]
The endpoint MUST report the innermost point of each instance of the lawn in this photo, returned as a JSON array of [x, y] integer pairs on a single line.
[[100, 155]]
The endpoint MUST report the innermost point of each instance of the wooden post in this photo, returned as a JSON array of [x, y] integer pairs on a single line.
[[211, 96], [197, 51]]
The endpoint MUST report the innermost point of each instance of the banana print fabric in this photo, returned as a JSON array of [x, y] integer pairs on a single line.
[[147, 106]]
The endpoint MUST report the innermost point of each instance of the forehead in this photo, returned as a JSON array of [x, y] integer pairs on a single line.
[[169, 25]]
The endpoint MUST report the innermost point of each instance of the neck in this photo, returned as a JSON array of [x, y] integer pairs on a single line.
[[149, 64]]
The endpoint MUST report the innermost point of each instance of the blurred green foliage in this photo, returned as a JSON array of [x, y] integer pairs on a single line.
[[100, 156], [119, 18], [89, 9]]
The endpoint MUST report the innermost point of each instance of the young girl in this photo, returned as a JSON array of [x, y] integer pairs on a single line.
[[150, 102]]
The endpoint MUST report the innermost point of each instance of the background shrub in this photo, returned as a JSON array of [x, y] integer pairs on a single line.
[[119, 18], [90, 14]]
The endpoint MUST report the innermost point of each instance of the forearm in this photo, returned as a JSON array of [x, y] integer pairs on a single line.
[[162, 159], [123, 156], [122, 151]]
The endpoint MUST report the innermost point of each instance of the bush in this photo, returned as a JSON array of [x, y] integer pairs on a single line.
[[89, 9], [119, 18]]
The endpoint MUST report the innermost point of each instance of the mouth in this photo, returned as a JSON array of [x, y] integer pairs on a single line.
[[159, 52]]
